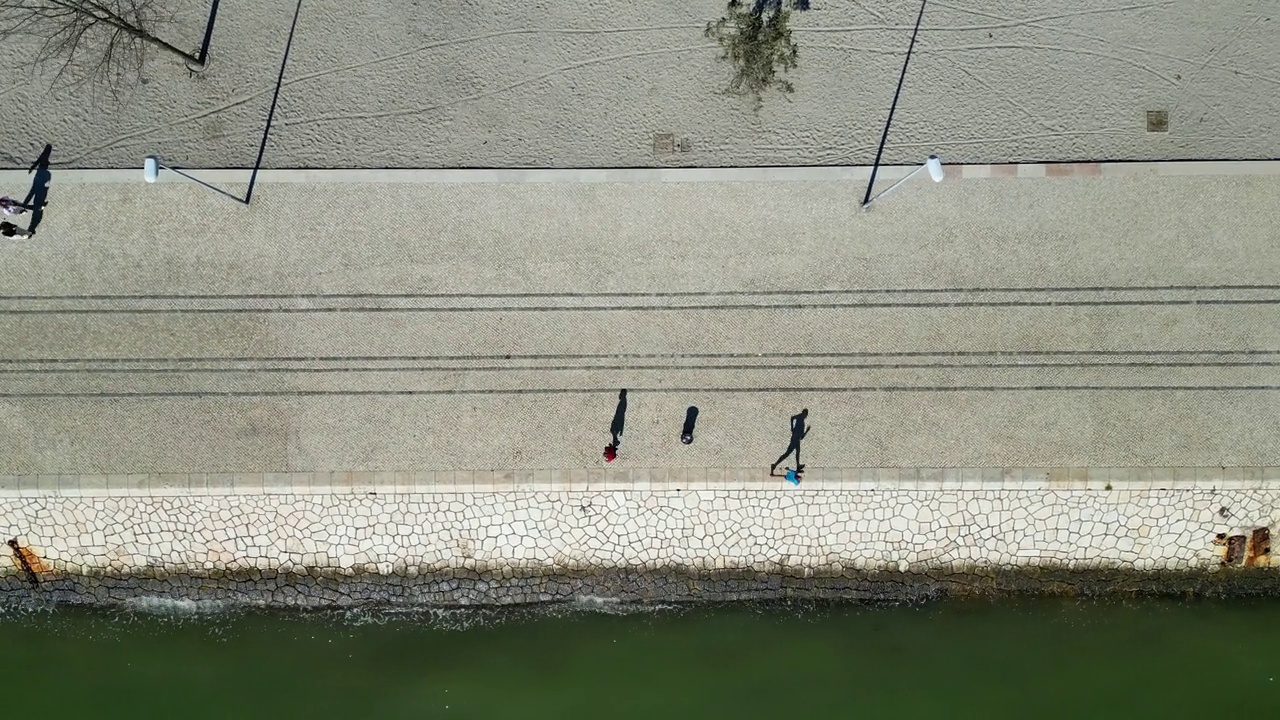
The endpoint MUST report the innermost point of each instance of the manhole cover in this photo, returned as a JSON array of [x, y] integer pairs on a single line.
[[664, 143], [1157, 121]]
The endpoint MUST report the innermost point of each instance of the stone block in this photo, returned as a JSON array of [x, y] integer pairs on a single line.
[[220, 483], [93, 485], [247, 483], [277, 484], [1035, 479], [69, 485], [170, 484], [137, 484], [482, 480], [47, 485]]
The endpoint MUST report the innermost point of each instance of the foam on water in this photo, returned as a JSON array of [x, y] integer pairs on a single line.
[[173, 607]]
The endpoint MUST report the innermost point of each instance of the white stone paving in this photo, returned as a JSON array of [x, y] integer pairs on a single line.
[[902, 531]]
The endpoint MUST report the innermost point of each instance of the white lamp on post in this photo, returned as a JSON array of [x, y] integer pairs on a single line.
[[151, 168], [932, 164]]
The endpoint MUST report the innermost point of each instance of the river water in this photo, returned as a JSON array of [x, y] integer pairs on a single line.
[[1042, 658]]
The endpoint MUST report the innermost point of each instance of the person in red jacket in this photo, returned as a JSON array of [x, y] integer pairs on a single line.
[[610, 452]]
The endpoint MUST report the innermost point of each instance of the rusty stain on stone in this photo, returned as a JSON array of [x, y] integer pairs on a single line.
[[1259, 551], [28, 561], [1251, 550]]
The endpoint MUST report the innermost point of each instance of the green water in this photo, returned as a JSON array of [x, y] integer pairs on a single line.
[[972, 659]]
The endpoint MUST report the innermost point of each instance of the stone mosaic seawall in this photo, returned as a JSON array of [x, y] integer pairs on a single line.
[[517, 547]]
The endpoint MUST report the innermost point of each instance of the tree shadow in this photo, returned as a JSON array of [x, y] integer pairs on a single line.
[[776, 6], [619, 419], [798, 430], [38, 195]]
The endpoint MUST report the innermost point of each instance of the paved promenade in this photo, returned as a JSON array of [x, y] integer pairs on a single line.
[[1079, 322]]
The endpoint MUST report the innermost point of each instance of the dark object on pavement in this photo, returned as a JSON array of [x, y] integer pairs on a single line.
[[619, 419], [9, 230], [798, 431], [690, 421]]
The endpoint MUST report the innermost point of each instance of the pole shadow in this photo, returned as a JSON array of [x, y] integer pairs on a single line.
[[271, 113]]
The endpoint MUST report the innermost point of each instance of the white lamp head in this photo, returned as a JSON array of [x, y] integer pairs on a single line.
[[934, 166], [151, 168]]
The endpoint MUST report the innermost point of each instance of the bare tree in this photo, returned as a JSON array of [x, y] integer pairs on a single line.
[[105, 42]]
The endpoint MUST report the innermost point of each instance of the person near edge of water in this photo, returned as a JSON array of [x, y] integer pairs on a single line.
[[610, 452]]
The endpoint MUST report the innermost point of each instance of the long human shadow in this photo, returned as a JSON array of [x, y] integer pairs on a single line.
[[798, 430], [690, 422], [38, 195], [619, 419]]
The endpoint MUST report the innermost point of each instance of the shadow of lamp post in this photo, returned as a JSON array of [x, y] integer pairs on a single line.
[[932, 164], [151, 167]]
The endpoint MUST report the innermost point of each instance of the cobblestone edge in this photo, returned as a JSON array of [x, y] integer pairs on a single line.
[[657, 479]]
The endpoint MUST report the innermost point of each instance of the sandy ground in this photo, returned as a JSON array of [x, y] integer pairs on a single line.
[[437, 327], [484, 83]]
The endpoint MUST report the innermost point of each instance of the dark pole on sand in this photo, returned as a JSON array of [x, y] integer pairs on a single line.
[[203, 57], [885, 135]]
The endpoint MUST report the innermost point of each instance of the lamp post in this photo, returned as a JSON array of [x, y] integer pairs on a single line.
[[932, 164], [151, 168], [151, 165]]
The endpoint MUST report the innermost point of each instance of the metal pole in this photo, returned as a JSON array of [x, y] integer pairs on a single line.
[[866, 199]]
